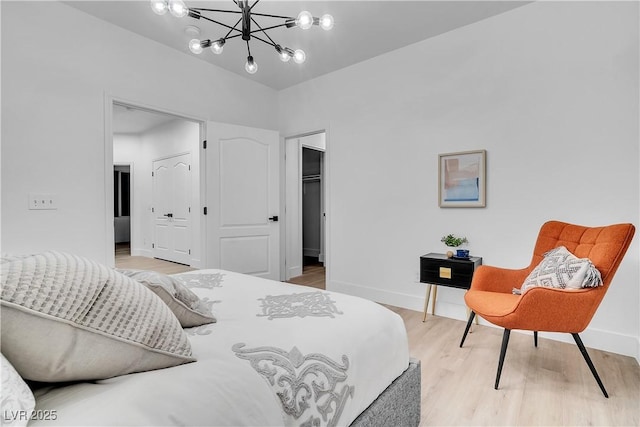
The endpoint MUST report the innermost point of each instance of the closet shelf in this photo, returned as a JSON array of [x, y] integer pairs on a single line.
[[312, 178]]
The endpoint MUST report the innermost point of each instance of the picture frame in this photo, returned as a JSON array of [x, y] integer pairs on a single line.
[[462, 179]]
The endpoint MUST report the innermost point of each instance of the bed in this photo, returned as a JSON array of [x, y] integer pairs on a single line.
[[273, 354]]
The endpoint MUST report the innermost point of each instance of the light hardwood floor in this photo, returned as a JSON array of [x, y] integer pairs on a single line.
[[312, 275], [546, 386]]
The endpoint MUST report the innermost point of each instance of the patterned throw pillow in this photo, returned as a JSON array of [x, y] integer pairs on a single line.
[[67, 318], [561, 269], [187, 307]]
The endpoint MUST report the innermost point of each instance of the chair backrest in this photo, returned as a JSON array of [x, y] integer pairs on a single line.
[[604, 246]]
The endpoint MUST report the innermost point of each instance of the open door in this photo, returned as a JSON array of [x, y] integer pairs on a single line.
[[242, 184]]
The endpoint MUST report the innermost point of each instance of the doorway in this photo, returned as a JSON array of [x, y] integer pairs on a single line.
[[305, 187], [122, 208], [312, 207], [141, 135]]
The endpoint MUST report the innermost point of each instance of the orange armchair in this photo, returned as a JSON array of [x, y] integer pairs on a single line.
[[549, 309]]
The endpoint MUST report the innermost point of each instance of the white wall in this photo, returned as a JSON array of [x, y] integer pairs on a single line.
[[172, 138], [58, 66], [549, 89]]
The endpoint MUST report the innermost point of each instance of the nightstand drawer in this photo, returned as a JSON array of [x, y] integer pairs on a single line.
[[440, 270]]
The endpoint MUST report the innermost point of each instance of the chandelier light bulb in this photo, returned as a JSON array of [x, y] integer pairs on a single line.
[[195, 46], [178, 8], [217, 46], [299, 56], [160, 7], [283, 54], [251, 65], [304, 20], [326, 22]]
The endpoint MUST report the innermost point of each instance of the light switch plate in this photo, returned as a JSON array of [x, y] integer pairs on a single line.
[[43, 201]]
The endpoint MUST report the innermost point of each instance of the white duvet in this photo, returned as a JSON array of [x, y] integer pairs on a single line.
[[279, 354]]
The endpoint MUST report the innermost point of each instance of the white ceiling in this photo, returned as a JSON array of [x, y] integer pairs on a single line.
[[363, 30]]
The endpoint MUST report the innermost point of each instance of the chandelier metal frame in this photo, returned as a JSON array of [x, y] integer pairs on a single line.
[[243, 28]]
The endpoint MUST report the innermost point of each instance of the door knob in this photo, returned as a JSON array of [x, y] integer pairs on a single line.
[[274, 218], [169, 215]]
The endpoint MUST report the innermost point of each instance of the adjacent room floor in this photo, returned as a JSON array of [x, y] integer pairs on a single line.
[[544, 386]]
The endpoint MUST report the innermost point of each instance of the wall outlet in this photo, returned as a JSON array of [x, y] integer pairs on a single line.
[[43, 201]]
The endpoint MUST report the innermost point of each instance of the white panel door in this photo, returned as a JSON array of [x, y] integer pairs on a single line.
[[161, 208], [171, 208], [243, 199]]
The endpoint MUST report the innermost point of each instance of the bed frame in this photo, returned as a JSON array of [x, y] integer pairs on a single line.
[[398, 405]]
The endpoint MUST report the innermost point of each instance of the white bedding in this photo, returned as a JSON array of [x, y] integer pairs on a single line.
[[279, 354]]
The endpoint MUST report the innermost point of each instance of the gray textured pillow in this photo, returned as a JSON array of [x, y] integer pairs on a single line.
[[186, 305], [67, 318], [561, 269]]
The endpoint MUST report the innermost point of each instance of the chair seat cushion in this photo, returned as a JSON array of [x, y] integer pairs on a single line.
[[491, 304]]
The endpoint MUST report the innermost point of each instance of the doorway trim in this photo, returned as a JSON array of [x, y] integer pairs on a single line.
[[293, 226], [109, 101]]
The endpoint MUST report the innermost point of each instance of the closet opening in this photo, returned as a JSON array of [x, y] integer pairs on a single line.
[[305, 204], [312, 207]]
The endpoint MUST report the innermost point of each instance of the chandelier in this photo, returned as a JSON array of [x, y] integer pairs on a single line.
[[243, 28]]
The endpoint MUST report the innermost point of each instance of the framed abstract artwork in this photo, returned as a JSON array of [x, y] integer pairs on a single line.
[[462, 179]]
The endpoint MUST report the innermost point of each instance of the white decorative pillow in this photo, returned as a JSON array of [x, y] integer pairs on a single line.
[[67, 318], [187, 307], [561, 269], [17, 399]]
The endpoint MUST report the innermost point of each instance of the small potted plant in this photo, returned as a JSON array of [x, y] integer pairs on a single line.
[[453, 241]]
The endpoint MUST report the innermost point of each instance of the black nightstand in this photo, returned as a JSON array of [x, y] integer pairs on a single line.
[[437, 269]]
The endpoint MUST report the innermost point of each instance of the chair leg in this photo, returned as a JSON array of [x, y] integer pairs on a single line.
[[587, 359], [503, 352], [466, 330], [535, 338]]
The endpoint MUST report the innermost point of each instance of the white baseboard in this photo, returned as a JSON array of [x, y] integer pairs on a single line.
[[411, 302], [142, 252], [614, 342], [293, 272], [311, 252], [193, 262]]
